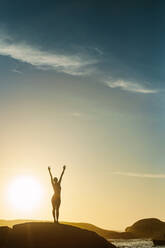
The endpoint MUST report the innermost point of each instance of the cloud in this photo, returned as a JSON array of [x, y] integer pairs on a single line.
[[130, 86], [76, 114], [141, 175], [17, 71], [98, 50], [77, 64], [74, 65]]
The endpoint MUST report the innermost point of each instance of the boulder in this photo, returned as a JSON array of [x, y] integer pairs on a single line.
[[158, 242], [4, 235], [53, 235], [148, 228]]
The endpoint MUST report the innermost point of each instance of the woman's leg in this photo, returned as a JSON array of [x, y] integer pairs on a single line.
[[53, 212], [53, 208], [57, 213], [57, 209]]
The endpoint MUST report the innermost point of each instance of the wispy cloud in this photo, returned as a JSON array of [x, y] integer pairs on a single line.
[[141, 175], [76, 114], [17, 71], [98, 50], [74, 65], [130, 86]]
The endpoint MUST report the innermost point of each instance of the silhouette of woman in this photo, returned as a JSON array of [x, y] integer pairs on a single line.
[[56, 198]]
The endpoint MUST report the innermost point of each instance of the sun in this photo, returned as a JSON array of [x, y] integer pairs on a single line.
[[25, 193]]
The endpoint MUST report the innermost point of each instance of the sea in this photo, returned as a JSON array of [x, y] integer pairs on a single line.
[[134, 243]]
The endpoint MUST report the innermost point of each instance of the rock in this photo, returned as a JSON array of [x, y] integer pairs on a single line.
[[50, 235], [107, 234], [148, 228], [4, 234], [158, 242]]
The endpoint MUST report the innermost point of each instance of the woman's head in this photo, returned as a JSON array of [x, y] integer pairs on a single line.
[[55, 179]]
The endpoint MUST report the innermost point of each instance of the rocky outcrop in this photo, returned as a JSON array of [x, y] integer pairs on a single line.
[[107, 234], [50, 235], [158, 242], [148, 228], [4, 235]]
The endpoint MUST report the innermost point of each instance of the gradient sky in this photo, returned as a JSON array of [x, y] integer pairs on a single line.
[[82, 84]]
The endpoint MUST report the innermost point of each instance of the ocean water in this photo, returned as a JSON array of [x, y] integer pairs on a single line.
[[134, 243]]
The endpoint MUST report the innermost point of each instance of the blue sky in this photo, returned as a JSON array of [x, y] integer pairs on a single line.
[[82, 83], [122, 41]]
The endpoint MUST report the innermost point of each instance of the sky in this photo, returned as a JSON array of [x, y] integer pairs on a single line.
[[82, 84]]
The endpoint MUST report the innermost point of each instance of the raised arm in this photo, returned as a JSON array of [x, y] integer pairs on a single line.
[[64, 167], [49, 169]]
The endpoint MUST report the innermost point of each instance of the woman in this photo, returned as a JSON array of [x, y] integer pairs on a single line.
[[56, 198]]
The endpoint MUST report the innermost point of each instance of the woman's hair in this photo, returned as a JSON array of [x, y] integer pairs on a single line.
[[55, 179]]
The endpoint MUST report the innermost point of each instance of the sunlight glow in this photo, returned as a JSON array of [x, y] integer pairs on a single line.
[[25, 193]]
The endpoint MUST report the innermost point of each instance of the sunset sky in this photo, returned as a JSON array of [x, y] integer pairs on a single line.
[[82, 83]]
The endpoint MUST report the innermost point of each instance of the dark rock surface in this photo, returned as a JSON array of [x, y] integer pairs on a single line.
[[148, 228], [158, 242], [107, 234], [50, 235], [4, 235]]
